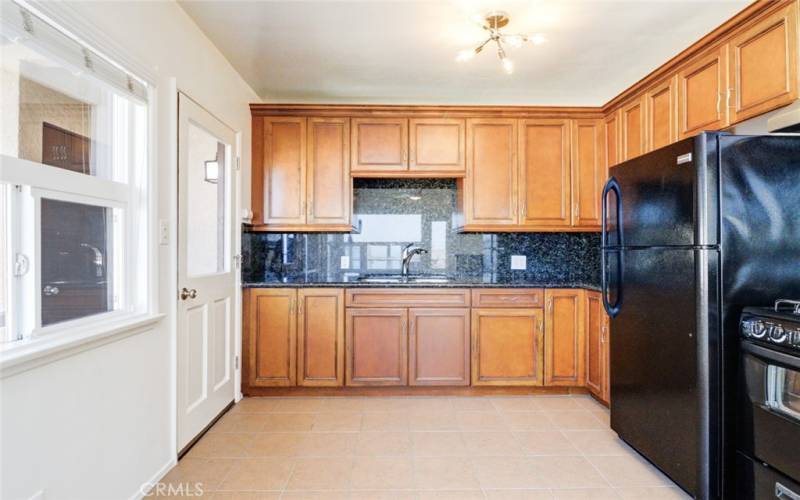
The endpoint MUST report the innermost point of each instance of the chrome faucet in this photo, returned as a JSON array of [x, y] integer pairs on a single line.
[[409, 251]]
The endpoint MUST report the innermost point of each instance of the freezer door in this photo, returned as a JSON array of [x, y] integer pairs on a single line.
[[657, 198], [655, 405]]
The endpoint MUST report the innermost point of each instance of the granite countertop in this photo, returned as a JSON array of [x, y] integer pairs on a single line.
[[455, 283]]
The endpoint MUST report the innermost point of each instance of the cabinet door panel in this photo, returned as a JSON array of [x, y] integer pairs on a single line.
[[439, 346], [594, 323], [612, 139], [507, 346], [764, 62], [490, 193], [320, 338], [662, 114], [545, 177], [564, 338], [377, 349], [272, 330], [436, 145], [379, 144], [283, 170], [588, 171], [701, 89], [329, 183], [633, 129]]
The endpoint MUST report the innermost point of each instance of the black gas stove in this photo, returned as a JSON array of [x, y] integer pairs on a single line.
[[768, 421]]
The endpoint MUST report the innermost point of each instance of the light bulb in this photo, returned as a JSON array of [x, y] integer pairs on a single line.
[[508, 66], [465, 55], [514, 41], [537, 39]]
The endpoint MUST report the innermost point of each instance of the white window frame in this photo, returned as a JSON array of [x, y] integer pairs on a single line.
[[133, 198]]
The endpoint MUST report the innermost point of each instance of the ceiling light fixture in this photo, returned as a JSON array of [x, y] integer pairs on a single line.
[[492, 23]]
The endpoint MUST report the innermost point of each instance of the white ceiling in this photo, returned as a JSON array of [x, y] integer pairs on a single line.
[[375, 51]]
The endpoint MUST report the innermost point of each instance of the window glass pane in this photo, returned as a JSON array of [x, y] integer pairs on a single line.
[[78, 260], [65, 116], [207, 203]]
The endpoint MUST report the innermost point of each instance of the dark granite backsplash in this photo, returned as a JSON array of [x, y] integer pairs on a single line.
[[393, 213]]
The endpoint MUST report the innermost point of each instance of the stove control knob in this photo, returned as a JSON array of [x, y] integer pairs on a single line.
[[777, 334], [758, 329]]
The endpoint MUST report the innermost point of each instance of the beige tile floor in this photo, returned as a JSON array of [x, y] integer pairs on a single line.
[[517, 447]]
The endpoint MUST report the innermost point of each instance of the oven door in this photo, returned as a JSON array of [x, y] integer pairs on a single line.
[[769, 417]]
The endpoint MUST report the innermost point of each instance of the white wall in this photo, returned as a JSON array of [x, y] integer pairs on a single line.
[[101, 423]]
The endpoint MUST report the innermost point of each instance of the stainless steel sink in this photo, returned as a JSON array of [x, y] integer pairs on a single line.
[[398, 278]]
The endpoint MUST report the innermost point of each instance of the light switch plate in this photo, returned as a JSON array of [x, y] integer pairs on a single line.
[[519, 262], [344, 262]]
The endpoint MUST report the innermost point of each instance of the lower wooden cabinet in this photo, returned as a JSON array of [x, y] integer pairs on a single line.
[[564, 358], [377, 346], [597, 368], [439, 346], [320, 337], [507, 346], [271, 337]]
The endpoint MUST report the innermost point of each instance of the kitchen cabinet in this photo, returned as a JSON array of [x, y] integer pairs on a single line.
[[507, 346], [662, 114], [596, 323], [328, 179], [376, 341], [439, 346], [301, 179], [611, 139], [764, 64], [437, 145], [606, 397], [702, 90], [634, 139], [379, 144], [279, 170], [544, 173], [490, 186], [320, 337], [271, 329], [588, 172], [564, 356]]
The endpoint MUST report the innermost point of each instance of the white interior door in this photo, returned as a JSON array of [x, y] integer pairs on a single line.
[[206, 281]]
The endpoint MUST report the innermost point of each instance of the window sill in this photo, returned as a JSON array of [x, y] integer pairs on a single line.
[[17, 357]]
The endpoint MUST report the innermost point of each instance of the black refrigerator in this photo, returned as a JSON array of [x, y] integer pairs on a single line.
[[691, 234]]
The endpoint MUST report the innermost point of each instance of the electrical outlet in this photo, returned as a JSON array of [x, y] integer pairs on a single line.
[[519, 262], [163, 232], [344, 262]]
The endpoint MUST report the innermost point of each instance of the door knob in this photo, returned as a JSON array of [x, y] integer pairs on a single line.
[[188, 294]]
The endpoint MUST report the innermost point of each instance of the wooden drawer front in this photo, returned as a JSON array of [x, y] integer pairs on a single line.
[[532, 297], [392, 297]]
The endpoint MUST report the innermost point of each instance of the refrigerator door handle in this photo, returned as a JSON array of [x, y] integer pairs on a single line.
[[611, 309]]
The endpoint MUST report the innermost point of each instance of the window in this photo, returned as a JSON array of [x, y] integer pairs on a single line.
[[73, 179]]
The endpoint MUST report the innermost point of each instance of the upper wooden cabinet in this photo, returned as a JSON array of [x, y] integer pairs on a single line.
[[438, 346], [702, 90], [490, 186], [611, 138], [270, 337], [507, 347], [634, 137], [662, 114], [328, 179], [279, 170], [436, 145], [564, 358], [376, 342], [301, 179], [588, 172], [379, 144], [544, 173], [763, 64], [320, 337]]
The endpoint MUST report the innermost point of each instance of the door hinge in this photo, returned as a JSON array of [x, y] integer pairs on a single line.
[[236, 362], [21, 264], [237, 260], [238, 163]]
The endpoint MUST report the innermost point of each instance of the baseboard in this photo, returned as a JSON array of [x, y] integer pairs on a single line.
[[158, 476], [411, 391]]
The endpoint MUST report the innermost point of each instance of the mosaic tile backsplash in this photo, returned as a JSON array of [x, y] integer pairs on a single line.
[[393, 213]]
